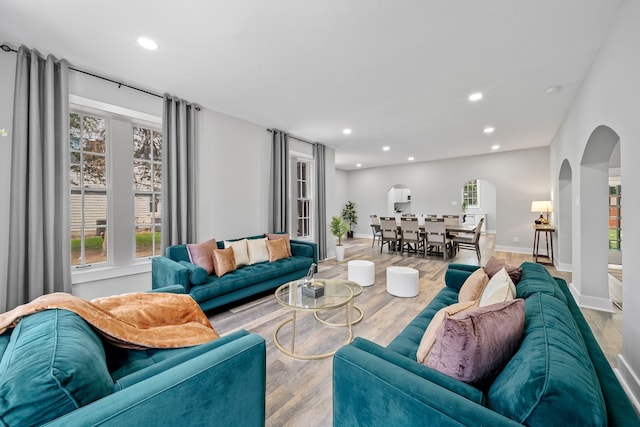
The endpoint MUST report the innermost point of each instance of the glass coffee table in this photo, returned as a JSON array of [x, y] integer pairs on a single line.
[[336, 294]]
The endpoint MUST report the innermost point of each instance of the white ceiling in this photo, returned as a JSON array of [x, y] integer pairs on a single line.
[[396, 72]]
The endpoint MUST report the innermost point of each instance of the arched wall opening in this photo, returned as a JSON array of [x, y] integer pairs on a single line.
[[564, 208], [592, 284]]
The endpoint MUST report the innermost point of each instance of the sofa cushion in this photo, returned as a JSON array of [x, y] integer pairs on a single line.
[[224, 261], [430, 335], [248, 275], [201, 254], [473, 345], [499, 289], [277, 250], [240, 251], [496, 264], [258, 251], [472, 288], [534, 387], [408, 341], [276, 236], [535, 278], [54, 364]]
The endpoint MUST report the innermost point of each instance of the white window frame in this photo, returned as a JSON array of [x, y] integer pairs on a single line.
[[125, 263], [308, 160], [477, 204]]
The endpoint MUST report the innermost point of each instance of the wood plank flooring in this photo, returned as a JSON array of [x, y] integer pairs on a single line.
[[299, 392]]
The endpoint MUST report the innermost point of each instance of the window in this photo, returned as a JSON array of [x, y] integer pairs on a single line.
[[111, 153], [147, 184], [303, 197], [88, 182], [615, 217], [470, 195]]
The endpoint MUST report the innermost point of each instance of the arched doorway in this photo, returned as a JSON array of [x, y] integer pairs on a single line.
[[563, 215], [592, 281]]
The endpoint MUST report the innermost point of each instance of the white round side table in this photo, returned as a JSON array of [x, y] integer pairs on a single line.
[[362, 272], [402, 281]]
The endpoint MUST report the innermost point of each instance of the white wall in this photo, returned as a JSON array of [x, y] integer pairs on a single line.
[[608, 96], [7, 80], [519, 177]]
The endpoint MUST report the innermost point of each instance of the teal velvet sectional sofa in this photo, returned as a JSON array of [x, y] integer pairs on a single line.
[[559, 376], [55, 370], [211, 291]]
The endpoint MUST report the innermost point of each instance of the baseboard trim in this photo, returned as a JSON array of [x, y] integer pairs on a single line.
[[629, 381], [514, 249], [584, 301], [561, 266]]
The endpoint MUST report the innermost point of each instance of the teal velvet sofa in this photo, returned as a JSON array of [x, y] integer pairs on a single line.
[[211, 291], [55, 370], [559, 376]]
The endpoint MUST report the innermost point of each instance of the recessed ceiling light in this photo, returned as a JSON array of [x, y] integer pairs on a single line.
[[553, 89], [147, 43], [386, 148], [346, 131], [475, 97], [359, 165], [488, 129], [411, 159], [495, 147]]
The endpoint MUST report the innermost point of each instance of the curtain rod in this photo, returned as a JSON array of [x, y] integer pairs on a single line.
[[291, 136], [8, 48]]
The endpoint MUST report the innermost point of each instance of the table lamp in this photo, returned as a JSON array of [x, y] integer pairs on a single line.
[[542, 206]]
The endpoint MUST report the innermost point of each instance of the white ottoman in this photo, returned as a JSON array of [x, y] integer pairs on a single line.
[[402, 281], [362, 272]]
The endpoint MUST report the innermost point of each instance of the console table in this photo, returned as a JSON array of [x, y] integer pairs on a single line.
[[548, 231]]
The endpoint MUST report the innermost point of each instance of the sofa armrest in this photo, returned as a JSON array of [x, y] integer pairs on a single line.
[[312, 245], [457, 273], [224, 386], [371, 390], [167, 272]]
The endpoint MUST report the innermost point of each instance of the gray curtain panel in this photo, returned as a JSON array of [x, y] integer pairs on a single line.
[[279, 188], [39, 259], [178, 172], [321, 200]]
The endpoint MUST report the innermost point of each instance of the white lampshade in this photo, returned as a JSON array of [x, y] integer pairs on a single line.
[[541, 206]]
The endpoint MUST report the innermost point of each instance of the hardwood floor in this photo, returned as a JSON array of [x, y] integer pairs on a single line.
[[299, 392]]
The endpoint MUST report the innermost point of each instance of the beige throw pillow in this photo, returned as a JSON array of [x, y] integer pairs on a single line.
[[258, 250], [239, 251], [499, 289], [472, 288], [223, 261], [429, 337]]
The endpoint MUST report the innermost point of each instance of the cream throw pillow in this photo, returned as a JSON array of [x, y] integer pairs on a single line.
[[472, 288], [429, 337], [240, 252], [499, 289], [258, 251]]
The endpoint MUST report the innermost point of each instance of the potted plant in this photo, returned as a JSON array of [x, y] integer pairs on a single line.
[[350, 216], [338, 229]]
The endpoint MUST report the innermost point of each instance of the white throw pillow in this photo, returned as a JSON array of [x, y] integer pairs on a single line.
[[258, 251], [499, 289], [239, 251]]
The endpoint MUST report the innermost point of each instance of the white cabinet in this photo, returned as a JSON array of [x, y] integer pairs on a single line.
[[473, 219], [402, 195]]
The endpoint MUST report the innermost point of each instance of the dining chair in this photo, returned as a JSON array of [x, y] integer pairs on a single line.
[[412, 238], [472, 243], [375, 229], [435, 236], [452, 220], [390, 234]]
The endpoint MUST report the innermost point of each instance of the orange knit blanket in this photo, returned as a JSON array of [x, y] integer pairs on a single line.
[[134, 320]]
